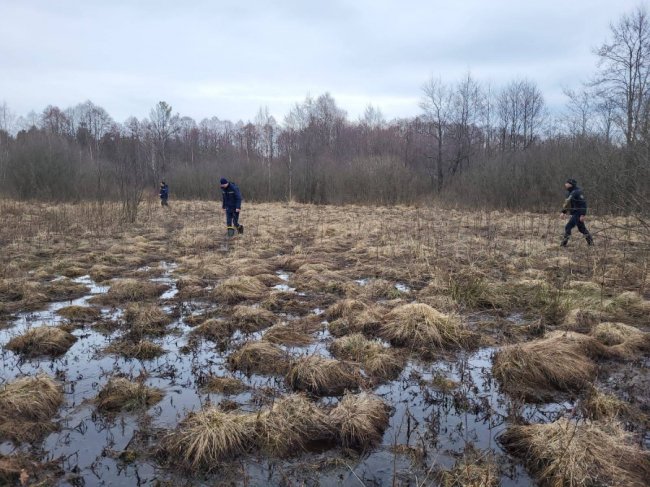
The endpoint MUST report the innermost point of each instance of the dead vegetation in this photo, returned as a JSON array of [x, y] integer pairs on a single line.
[[122, 394], [288, 334], [560, 362], [141, 350], [42, 341], [623, 339], [378, 361], [250, 319], [322, 376], [473, 469], [579, 454], [124, 291], [222, 385], [27, 405], [146, 319], [80, 314], [259, 357], [215, 330], [239, 288], [359, 420]]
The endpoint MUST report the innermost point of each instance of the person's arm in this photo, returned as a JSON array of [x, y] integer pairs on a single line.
[[237, 197], [223, 199]]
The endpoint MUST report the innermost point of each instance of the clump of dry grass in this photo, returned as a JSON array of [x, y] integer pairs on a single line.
[[122, 394], [40, 341], [378, 361], [600, 406], [64, 289], [562, 361], [473, 469], [345, 308], [288, 334], [130, 291], [576, 455], [290, 425], [318, 278], [250, 319], [380, 289], [206, 438], [349, 316], [146, 319], [223, 385], [322, 376], [27, 405], [80, 314], [18, 294], [101, 273], [259, 357], [623, 339], [239, 288], [580, 320], [359, 420], [20, 469], [214, 329], [141, 350], [629, 304], [419, 326]]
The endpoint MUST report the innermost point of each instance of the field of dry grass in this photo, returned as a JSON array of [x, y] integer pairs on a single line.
[[293, 339]]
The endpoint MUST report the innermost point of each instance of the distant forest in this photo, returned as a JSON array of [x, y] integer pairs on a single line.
[[472, 145]]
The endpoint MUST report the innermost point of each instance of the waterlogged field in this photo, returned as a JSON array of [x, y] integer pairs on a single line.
[[325, 346]]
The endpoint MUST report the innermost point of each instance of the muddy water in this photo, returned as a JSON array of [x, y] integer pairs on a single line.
[[440, 422]]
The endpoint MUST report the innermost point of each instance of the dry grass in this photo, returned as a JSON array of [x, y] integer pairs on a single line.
[[141, 350], [259, 357], [146, 319], [42, 341], [623, 339], [222, 385], [21, 469], [288, 334], [576, 455], [322, 376], [378, 361], [206, 438], [80, 314], [600, 406], [130, 291], [250, 319], [580, 320], [473, 469], [121, 394], [359, 420], [419, 326], [239, 288], [64, 289], [290, 425], [27, 406], [560, 362], [215, 330], [629, 305]]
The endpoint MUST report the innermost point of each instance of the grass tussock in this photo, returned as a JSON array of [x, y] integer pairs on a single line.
[[206, 438], [380, 289], [239, 288], [473, 469], [64, 289], [288, 334], [122, 394], [378, 361], [146, 319], [598, 405], [580, 320], [140, 350], [623, 339], [290, 425], [259, 357], [418, 325], [562, 361], [564, 453], [27, 406], [629, 305], [322, 376], [222, 385], [215, 330], [131, 291], [21, 469], [80, 314], [359, 420], [42, 341], [250, 319]]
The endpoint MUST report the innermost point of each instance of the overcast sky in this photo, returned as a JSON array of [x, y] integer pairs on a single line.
[[228, 58]]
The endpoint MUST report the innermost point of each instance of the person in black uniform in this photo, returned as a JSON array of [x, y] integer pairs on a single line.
[[575, 205], [231, 205]]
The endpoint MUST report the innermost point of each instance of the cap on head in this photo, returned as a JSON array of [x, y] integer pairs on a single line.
[[223, 181], [572, 182]]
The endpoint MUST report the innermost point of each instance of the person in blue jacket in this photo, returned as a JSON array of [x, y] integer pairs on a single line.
[[575, 205], [164, 193], [231, 204]]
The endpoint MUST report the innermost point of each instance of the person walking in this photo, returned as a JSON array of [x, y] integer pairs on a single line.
[[164, 193], [575, 205], [231, 205]]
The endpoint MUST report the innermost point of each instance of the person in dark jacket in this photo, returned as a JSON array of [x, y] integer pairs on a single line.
[[164, 193], [575, 205], [231, 205]]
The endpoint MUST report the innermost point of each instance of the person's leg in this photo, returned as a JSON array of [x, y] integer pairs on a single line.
[[235, 219], [229, 216], [583, 230], [567, 229]]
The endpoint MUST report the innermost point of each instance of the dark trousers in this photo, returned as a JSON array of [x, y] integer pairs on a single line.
[[163, 202], [232, 217], [574, 221]]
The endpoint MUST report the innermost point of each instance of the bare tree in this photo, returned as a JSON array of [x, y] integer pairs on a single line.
[[163, 126], [436, 103]]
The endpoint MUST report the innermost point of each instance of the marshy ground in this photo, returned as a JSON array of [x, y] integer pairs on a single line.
[[325, 346]]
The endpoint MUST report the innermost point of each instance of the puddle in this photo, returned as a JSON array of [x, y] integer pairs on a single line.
[[402, 288], [445, 422]]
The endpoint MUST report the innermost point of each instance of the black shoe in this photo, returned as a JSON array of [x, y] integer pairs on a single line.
[[564, 242], [231, 231], [589, 239], [240, 229]]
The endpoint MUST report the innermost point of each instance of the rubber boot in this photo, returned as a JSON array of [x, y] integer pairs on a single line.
[[565, 241], [231, 231], [589, 239], [240, 229]]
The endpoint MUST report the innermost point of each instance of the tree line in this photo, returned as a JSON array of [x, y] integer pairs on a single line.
[[472, 145]]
